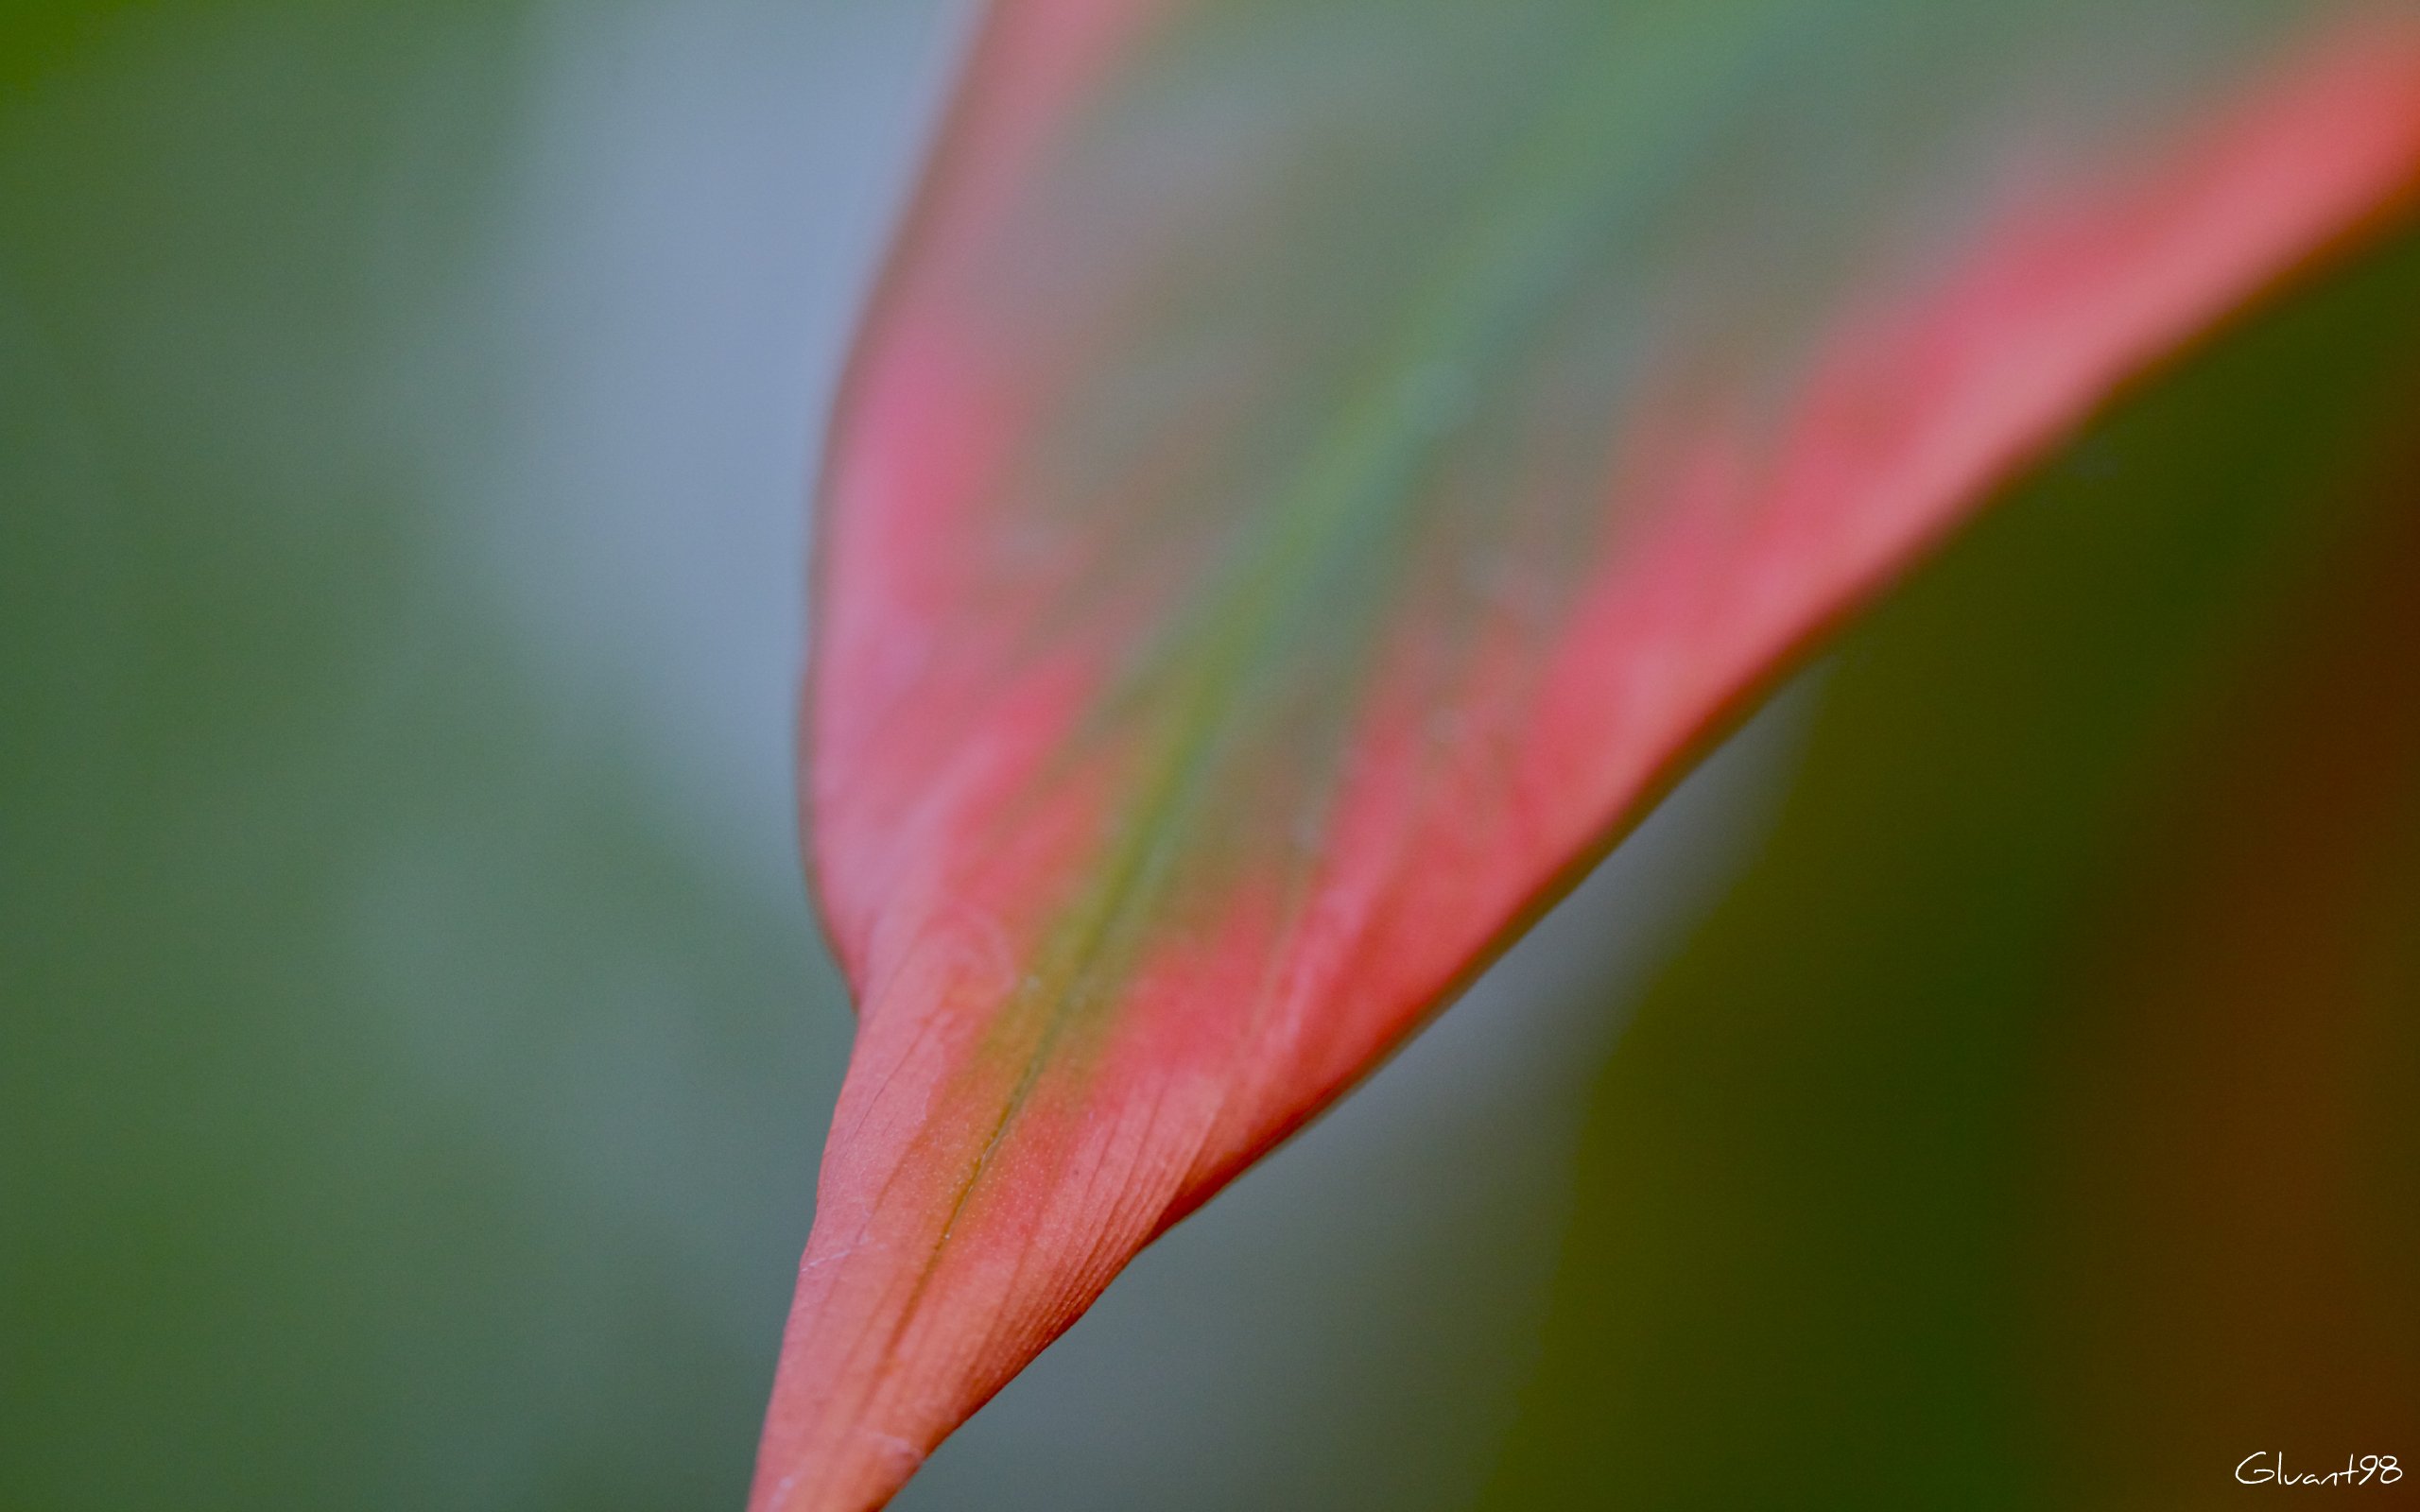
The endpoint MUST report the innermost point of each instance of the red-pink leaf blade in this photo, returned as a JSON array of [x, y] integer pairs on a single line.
[[1286, 517]]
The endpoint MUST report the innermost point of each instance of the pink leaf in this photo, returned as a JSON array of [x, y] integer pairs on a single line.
[[1315, 470]]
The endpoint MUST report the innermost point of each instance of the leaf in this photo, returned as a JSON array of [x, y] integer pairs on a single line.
[[1315, 470]]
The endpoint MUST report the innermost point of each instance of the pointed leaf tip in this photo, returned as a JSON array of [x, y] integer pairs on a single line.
[[1279, 527]]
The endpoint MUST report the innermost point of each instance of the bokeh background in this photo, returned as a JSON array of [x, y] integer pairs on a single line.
[[414, 1039]]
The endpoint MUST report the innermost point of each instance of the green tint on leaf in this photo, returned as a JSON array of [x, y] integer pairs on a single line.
[[1315, 470]]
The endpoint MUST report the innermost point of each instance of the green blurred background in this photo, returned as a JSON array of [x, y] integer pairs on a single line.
[[415, 1045]]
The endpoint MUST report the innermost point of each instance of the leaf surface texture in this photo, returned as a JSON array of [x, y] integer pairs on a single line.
[[1314, 471]]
